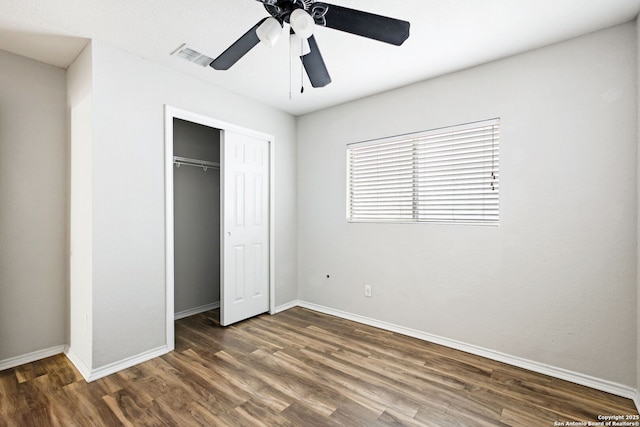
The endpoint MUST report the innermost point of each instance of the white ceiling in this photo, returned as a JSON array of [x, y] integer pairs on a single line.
[[446, 35]]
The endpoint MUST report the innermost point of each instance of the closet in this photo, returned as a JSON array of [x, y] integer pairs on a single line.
[[196, 196]]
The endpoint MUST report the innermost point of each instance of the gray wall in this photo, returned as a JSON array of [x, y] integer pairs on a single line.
[[556, 282], [33, 203], [196, 217]]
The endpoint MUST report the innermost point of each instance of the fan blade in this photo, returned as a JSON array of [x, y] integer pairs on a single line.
[[377, 27], [238, 49], [314, 65]]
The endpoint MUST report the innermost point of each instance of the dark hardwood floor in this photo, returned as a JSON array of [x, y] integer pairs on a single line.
[[298, 368]]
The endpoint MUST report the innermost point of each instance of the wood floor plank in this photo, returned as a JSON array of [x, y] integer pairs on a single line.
[[356, 416], [518, 417], [298, 368], [301, 415], [172, 412], [295, 384], [393, 418], [10, 399], [208, 381], [360, 386], [63, 412], [581, 392], [258, 414]]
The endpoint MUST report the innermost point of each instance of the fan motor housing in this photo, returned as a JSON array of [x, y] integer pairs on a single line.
[[281, 9]]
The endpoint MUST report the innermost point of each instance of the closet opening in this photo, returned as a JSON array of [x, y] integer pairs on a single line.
[[219, 219], [196, 210]]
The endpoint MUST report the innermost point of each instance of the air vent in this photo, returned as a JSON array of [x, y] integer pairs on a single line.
[[192, 55]]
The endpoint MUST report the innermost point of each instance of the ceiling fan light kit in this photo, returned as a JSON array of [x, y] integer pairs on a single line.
[[269, 32], [302, 23], [303, 16]]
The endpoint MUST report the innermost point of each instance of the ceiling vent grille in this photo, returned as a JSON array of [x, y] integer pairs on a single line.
[[192, 55]]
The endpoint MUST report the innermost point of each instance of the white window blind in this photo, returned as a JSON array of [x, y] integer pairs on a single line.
[[448, 175]]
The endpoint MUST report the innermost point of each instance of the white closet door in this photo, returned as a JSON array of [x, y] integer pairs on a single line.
[[245, 227]]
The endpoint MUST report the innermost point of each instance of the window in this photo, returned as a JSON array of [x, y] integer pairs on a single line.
[[446, 175]]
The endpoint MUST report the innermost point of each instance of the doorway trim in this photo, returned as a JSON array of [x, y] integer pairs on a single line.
[[169, 114]]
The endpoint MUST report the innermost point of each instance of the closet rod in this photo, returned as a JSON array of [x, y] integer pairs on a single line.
[[204, 164]]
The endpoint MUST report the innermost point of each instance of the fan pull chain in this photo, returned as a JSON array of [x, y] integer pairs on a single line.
[[301, 69], [290, 71], [293, 50], [298, 52], [301, 78]]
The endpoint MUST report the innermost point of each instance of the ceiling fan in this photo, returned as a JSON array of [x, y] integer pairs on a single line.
[[303, 16]]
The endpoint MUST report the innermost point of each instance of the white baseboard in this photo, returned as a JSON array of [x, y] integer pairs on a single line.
[[196, 310], [636, 400], [560, 373], [34, 356], [287, 306], [84, 370], [112, 368]]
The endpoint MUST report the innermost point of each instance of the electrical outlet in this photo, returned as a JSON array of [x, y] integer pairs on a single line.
[[367, 290]]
